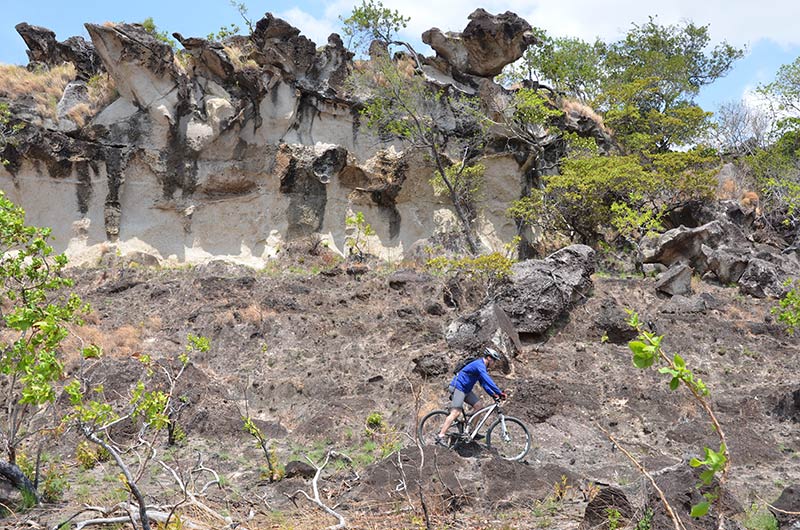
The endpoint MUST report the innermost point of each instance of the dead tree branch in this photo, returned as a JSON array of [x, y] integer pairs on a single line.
[[315, 490], [667, 506]]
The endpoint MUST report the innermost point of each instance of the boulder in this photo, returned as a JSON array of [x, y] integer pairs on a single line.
[[676, 280], [682, 305], [612, 322], [762, 279], [683, 244], [598, 512], [727, 264], [431, 365], [402, 279], [487, 44], [296, 468], [542, 291], [43, 48], [788, 407], [789, 501], [473, 331], [679, 485]]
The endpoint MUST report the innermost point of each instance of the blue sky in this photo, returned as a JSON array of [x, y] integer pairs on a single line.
[[768, 29]]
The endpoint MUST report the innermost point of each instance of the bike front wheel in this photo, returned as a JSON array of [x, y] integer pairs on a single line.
[[432, 423], [510, 438]]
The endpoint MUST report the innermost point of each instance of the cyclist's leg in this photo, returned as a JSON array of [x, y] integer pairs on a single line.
[[456, 404], [473, 401]]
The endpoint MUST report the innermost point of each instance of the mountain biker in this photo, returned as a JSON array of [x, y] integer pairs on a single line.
[[461, 388]]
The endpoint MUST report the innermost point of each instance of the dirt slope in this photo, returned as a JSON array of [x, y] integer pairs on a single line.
[[317, 353]]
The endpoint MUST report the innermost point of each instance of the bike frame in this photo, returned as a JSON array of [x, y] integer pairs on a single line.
[[473, 429]]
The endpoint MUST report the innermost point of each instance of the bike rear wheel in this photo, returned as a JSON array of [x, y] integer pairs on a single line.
[[512, 442], [432, 423]]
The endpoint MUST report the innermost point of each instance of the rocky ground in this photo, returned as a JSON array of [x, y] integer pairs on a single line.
[[325, 356]]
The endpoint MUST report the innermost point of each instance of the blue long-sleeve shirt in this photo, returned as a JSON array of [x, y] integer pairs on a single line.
[[472, 373]]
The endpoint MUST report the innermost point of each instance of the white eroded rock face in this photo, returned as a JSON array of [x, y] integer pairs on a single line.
[[228, 158]]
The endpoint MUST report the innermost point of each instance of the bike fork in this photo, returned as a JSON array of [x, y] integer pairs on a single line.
[[506, 437]]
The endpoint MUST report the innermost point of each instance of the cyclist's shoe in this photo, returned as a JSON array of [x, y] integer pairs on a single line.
[[479, 437], [440, 440]]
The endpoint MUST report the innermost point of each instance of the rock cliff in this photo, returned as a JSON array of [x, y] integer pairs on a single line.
[[230, 149]]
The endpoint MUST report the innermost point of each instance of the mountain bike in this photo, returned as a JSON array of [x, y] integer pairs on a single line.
[[508, 436]]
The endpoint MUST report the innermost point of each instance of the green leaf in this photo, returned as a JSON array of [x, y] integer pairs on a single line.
[[674, 383], [707, 476], [695, 462], [700, 509], [637, 346], [92, 352], [643, 360], [678, 361]]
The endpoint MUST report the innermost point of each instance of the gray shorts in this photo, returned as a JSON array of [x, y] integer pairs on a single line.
[[457, 398]]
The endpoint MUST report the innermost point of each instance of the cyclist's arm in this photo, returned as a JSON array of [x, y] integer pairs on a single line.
[[488, 383]]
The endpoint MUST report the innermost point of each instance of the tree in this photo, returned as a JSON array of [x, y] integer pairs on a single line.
[[652, 76], [152, 407], [36, 311], [784, 91], [631, 194], [403, 105], [150, 27], [7, 131], [371, 21], [740, 129], [777, 172], [570, 66]]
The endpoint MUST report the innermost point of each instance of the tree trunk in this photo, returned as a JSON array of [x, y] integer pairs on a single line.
[[17, 478]]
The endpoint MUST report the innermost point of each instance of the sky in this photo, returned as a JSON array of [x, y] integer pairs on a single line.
[[767, 29]]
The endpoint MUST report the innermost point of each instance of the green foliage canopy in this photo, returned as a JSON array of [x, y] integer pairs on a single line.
[[371, 21], [653, 75]]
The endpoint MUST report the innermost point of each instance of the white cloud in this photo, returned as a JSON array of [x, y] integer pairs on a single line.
[[316, 29], [737, 21]]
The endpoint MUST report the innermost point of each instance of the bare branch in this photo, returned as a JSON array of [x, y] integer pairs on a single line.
[[315, 489], [675, 519]]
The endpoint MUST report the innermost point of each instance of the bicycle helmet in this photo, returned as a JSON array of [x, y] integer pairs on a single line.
[[489, 352]]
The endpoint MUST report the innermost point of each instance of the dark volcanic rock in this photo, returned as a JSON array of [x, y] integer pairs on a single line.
[[45, 49], [487, 44], [683, 244], [280, 45], [612, 321], [608, 499], [762, 279], [789, 501], [295, 468], [431, 364], [680, 488], [542, 291], [727, 264], [788, 407], [676, 280]]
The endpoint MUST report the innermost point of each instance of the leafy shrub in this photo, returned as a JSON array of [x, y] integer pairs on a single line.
[[629, 193], [788, 308], [360, 231], [490, 267], [88, 455]]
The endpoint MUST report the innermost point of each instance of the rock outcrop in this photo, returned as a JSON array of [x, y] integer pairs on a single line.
[[537, 295], [44, 49], [487, 44], [231, 148]]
